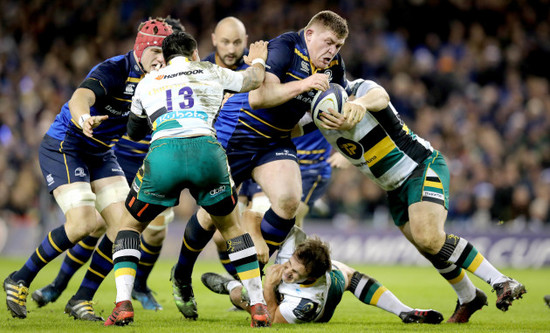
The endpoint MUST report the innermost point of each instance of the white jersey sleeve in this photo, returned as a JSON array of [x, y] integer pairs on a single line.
[[230, 79], [365, 86]]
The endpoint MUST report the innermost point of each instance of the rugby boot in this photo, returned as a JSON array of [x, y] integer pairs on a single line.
[[259, 316], [507, 292], [82, 310], [122, 315], [547, 300], [45, 295], [184, 297], [146, 299], [419, 316], [216, 282], [463, 312], [16, 296]]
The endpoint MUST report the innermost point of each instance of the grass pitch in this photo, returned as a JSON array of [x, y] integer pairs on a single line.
[[419, 287]]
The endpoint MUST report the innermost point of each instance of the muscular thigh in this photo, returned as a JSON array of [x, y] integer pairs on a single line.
[[279, 178], [429, 183]]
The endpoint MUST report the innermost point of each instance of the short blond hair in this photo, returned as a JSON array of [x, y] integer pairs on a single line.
[[331, 21]]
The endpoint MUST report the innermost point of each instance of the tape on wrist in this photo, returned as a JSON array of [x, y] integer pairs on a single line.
[[82, 119], [258, 61]]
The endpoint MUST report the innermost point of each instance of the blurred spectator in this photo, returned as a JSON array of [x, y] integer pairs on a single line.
[[470, 76]]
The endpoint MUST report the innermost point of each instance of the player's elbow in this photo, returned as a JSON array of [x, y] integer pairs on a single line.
[[137, 128], [381, 99]]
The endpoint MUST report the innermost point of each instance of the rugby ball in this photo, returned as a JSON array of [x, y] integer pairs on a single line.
[[334, 97]]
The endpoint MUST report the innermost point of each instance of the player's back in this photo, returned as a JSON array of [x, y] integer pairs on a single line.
[[189, 92]]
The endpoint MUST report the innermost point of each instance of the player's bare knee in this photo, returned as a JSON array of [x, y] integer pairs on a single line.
[[428, 242], [286, 207], [155, 233]]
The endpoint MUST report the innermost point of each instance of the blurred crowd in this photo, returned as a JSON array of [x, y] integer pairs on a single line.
[[469, 76]]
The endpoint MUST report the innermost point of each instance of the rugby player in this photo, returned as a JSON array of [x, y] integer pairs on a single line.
[[416, 178], [179, 102], [78, 162], [305, 285]]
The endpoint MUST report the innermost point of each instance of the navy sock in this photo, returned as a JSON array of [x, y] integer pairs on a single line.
[[194, 241], [275, 229], [76, 257], [100, 266], [55, 243], [149, 256]]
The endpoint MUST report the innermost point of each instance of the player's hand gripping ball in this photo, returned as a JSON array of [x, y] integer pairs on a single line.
[[334, 97]]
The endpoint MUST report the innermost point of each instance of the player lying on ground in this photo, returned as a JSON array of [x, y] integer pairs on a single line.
[[305, 285]]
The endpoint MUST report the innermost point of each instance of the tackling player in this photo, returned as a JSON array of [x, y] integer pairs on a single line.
[[416, 178], [258, 143], [179, 102]]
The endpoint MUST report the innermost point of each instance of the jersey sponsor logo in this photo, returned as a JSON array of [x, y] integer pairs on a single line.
[[304, 66], [49, 179], [181, 115], [434, 195], [350, 148], [115, 112], [285, 152], [153, 194], [170, 76], [217, 191], [79, 172]]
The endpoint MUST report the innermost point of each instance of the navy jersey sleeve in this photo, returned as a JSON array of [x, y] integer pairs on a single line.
[[279, 55], [104, 78]]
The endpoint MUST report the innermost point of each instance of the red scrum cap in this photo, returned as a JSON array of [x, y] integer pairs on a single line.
[[151, 33]]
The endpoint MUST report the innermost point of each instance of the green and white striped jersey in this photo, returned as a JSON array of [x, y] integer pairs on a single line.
[[381, 145]]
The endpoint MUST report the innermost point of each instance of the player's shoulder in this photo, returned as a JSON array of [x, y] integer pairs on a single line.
[[119, 65], [210, 58], [290, 37]]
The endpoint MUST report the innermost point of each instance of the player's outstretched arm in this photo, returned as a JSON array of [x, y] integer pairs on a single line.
[[374, 100], [273, 93], [79, 105]]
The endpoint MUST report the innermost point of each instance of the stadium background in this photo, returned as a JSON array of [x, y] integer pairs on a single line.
[[470, 76]]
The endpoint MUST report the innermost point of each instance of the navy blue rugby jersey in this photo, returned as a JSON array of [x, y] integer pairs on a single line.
[[288, 59], [132, 149], [239, 65], [313, 150], [113, 82]]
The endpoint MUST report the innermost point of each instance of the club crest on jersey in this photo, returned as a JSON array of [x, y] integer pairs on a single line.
[[350, 148], [79, 172], [129, 89], [328, 73]]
